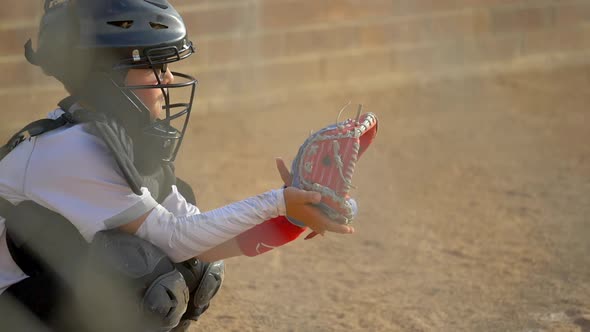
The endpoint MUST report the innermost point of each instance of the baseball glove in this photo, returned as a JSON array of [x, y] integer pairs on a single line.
[[326, 161]]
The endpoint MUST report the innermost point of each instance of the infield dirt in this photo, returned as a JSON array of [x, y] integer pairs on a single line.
[[474, 204]]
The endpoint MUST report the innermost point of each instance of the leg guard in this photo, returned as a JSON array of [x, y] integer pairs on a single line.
[[134, 283], [204, 281]]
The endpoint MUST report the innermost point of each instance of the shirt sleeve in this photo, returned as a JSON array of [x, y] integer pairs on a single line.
[[183, 237], [176, 204], [74, 173]]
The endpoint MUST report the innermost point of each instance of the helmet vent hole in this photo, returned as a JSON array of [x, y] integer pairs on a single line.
[[121, 24], [157, 3], [158, 26]]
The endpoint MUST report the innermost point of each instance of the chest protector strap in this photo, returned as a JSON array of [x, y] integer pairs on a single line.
[[158, 177], [33, 129]]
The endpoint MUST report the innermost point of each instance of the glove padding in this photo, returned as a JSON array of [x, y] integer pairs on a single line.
[[326, 161]]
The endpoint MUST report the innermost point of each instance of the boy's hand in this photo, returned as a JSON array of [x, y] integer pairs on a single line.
[[299, 206]]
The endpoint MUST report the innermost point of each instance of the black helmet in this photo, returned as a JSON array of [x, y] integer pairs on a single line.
[[89, 45]]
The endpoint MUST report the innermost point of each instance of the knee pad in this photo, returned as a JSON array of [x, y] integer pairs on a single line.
[[152, 294], [204, 281]]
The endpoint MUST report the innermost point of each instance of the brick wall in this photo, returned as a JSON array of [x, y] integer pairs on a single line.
[[261, 53]]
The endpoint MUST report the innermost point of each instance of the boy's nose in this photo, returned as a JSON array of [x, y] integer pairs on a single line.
[[168, 77]]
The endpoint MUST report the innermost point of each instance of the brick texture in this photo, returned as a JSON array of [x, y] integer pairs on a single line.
[[263, 52]]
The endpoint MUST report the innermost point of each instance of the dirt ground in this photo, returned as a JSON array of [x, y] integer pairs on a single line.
[[474, 210]]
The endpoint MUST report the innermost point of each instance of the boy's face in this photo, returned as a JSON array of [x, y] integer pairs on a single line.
[[152, 98]]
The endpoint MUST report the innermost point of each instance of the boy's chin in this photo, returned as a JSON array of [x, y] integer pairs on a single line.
[[156, 112]]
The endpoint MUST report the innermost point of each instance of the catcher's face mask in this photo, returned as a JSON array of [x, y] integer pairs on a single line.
[[164, 121]]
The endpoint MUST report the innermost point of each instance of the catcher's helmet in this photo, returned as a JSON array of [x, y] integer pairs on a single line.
[[90, 45]]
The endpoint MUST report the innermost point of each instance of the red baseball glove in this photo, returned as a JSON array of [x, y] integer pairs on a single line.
[[326, 161]]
